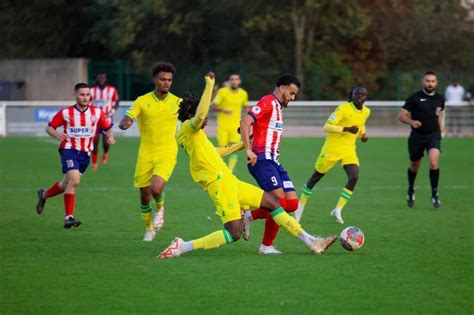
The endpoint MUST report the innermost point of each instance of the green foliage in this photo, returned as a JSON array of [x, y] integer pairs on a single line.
[[348, 42]]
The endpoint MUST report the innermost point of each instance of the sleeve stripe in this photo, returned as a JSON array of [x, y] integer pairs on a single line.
[[253, 116]]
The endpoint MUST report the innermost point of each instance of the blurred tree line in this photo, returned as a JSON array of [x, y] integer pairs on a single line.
[[330, 44]]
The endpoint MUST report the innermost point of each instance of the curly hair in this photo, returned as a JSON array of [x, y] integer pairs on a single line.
[[287, 79], [187, 107], [162, 67]]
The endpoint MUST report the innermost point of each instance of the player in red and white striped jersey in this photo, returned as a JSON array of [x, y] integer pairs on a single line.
[[80, 122], [266, 117], [103, 96]]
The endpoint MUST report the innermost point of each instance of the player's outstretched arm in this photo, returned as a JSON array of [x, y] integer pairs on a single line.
[[205, 102], [225, 151]]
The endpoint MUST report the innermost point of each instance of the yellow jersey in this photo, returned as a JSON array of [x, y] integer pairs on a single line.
[[234, 101], [206, 165], [157, 122], [345, 115]]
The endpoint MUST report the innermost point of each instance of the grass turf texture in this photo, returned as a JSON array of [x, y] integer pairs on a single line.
[[414, 260]]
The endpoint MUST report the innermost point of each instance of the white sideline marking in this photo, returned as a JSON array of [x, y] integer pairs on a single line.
[[104, 189]]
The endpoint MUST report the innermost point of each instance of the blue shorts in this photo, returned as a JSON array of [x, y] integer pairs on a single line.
[[271, 175], [74, 160]]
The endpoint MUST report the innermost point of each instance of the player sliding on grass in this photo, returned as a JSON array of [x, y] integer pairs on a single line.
[[228, 193], [80, 123], [343, 127], [266, 117]]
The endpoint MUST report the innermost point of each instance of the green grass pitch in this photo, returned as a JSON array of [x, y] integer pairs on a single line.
[[414, 260]]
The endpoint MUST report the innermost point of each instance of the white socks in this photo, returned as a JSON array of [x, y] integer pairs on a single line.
[[308, 239], [187, 246]]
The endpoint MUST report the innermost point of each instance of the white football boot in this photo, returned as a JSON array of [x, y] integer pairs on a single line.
[[320, 244], [149, 236], [173, 250], [268, 250], [159, 219], [336, 213], [247, 222], [299, 212]]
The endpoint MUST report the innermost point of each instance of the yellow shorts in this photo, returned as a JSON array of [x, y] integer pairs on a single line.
[[146, 169], [227, 135], [230, 195], [326, 161]]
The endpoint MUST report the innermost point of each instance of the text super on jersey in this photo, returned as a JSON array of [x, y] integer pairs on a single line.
[[80, 126], [267, 128]]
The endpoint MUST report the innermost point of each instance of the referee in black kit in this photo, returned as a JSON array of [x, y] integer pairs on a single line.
[[423, 111]]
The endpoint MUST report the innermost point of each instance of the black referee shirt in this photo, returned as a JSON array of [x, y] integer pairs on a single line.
[[425, 108]]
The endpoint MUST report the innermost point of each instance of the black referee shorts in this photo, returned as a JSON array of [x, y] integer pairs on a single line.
[[418, 143]]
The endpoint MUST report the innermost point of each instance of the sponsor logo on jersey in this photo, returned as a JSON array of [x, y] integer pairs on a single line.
[[79, 131], [288, 184], [278, 125], [423, 99]]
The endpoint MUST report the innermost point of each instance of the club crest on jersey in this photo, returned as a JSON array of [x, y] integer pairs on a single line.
[[93, 119], [256, 110]]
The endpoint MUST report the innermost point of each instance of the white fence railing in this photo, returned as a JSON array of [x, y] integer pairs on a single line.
[[302, 118]]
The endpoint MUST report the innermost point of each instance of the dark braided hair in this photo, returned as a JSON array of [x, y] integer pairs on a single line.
[[187, 107]]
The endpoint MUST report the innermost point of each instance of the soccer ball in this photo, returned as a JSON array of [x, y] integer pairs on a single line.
[[352, 238]]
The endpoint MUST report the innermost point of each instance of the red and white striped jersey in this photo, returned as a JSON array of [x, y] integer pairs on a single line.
[[105, 98], [80, 126], [267, 128]]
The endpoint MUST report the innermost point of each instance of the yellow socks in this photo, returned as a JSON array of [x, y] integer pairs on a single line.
[[146, 216], [159, 201], [346, 194], [305, 194], [233, 158], [287, 222], [212, 240]]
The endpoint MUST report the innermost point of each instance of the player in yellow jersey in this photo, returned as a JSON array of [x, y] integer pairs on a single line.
[[342, 127], [157, 115], [228, 103], [228, 193]]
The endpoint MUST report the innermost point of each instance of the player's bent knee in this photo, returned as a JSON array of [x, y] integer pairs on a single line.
[[270, 202], [157, 190], [291, 205]]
